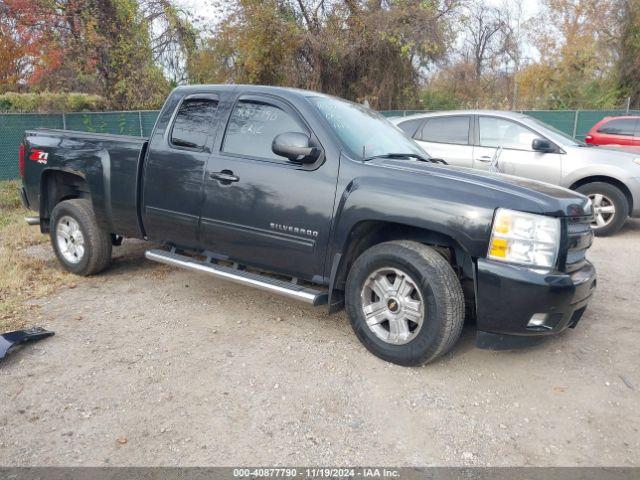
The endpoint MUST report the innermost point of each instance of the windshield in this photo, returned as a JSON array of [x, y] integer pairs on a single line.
[[566, 139], [364, 132]]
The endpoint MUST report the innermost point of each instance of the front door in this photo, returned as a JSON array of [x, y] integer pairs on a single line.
[[172, 194], [262, 209], [517, 157]]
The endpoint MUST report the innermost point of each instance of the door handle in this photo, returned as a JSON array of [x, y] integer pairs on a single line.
[[225, 176], [485, 158]]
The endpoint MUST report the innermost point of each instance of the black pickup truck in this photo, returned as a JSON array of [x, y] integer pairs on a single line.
[[322, 200]]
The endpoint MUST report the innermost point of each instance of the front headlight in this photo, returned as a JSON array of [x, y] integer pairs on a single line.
[[524, 238]]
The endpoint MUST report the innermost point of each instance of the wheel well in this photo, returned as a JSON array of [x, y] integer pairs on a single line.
[[366, 234], [601, 178], [57, 186]]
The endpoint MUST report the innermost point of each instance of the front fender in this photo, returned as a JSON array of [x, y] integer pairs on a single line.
[[437, 209], [613, 172]]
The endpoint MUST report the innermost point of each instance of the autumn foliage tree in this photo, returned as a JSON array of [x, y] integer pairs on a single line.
[[355, 49], [576, 42], [103, 47]]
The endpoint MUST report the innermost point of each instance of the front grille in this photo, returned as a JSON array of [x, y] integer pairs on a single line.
[[579, 239]]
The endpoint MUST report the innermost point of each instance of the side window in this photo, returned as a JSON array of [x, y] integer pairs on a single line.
[[446, 130], [410, 126], [193, 122], [499, 132], [620, 126], [253, 126]]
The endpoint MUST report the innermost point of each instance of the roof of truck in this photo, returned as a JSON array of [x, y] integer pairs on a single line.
[[284, 91]]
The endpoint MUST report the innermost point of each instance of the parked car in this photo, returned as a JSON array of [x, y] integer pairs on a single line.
[[535, 150], [615, 131], [244, 182]]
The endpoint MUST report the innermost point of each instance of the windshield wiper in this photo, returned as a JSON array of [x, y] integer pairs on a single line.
[[407, 155]]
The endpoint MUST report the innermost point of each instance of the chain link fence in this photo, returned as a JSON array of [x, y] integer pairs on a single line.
[[140, 123], [12, 127]]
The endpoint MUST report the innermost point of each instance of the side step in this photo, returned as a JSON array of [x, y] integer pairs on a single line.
[[288, 289], [32, 220]]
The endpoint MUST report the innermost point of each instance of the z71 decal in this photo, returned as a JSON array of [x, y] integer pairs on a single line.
[[39, 156]]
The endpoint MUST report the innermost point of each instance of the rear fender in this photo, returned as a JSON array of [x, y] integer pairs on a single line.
[[62, 183]]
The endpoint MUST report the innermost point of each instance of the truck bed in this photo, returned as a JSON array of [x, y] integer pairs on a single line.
[[109, 163]]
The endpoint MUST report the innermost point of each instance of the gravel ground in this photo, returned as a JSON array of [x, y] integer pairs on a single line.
[[156, 366]]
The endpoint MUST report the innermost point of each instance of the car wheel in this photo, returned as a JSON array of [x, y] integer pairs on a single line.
[[610, 207], [404, 302], [81, 246]]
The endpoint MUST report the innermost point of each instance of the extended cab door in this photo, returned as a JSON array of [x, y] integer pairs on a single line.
[[448, 138], [517, 157], [262, 209], [174, 170]]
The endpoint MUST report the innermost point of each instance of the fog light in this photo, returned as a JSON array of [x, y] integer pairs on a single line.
[[538, 320]]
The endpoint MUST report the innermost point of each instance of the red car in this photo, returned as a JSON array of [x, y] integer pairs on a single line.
[[615, 131]]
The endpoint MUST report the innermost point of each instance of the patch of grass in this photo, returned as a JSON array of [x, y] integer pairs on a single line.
[[22, 276]]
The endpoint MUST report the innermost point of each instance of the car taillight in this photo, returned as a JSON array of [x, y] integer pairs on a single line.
[[588, 139], [21, 159]]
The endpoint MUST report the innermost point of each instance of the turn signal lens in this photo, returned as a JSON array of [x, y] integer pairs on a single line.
[[498, 248], [524, 238]]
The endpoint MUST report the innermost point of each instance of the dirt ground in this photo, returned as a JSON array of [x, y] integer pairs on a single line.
[[156, 366]]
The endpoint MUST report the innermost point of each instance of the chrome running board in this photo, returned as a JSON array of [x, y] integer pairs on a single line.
[[287, 289]]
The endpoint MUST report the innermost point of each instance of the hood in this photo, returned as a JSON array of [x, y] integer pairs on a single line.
[[618, 155], [530, 195]]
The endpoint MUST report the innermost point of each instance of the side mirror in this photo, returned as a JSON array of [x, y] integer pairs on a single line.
[[542, 145], [296, 147]]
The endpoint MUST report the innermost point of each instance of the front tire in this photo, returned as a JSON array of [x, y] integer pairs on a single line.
[[404, 302], [81, 246], [610, 207]]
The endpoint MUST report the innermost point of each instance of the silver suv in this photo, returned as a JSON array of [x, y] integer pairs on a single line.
[[521, 145]]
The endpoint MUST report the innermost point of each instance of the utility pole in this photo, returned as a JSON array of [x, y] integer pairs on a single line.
[[516, 52]]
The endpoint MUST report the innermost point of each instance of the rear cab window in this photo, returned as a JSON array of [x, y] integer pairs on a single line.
[[454, 129], [619, 126], [194, 121]]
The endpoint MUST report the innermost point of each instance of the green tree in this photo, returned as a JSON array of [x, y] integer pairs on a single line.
[[629, 63]]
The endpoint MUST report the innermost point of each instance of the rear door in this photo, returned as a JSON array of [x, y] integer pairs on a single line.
[[517, 157], [174, 171], [448, 138], [262, 209]]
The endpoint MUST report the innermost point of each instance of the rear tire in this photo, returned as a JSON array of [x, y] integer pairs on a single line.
[[81, 246], [409, 284], [610, 205]]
